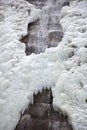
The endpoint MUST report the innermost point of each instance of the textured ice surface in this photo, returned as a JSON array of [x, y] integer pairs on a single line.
[[14, 18], [64, 68]]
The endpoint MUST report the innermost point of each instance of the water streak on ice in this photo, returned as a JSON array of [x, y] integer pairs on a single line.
[[46, 32]]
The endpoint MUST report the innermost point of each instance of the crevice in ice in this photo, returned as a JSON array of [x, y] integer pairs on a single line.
[[86, 100], [67, 3]]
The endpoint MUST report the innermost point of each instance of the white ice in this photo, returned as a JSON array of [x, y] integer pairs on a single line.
[[63, 68]]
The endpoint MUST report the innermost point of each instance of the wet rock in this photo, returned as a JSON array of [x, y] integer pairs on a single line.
[[41, 124], [25, 123], [55, 27], [36, 38], [29, 50], [38, 110], [73, 46], [41, 116], [33, 24], [64, 126], [43, 97], [66, 3], [54, 38], [85, 46], [25, 39]]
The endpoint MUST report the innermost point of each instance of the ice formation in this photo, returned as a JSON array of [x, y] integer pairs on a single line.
[[64, 68]]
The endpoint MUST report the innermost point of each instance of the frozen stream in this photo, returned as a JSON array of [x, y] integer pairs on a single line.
[[62, 68], [47, 31], [44, 33]]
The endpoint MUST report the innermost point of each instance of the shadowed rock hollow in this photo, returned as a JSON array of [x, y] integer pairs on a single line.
[[41, 115]]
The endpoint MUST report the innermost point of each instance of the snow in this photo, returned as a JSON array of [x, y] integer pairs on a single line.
[[63, 68]]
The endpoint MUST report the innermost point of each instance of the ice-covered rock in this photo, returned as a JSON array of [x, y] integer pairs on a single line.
[[64, 68]]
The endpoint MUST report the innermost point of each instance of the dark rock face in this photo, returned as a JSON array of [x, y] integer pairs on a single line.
[[25, 123], [66, 3], [54, 38], [41, 115], [47, 31], [29, 50], [39, 110]]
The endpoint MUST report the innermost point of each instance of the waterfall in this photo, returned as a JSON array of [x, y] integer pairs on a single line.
[[47, 32]]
